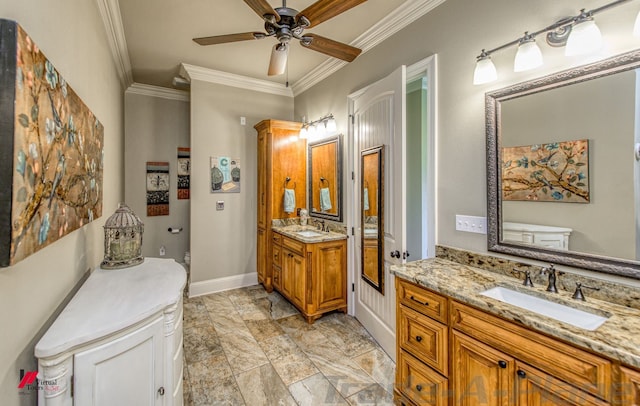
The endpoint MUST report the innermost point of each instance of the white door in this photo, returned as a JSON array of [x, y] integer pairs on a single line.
[[124, 371], [378, 113]]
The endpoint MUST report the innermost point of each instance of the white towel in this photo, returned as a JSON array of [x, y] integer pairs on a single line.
[[325, 199], [365, 199], [289, 200]]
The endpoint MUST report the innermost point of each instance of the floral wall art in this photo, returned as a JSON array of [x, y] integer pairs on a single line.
[[553, 172], [51, 151]]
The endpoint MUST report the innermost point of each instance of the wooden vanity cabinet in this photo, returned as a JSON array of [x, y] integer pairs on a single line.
[[279, 158], [486, 360], [312, 276]]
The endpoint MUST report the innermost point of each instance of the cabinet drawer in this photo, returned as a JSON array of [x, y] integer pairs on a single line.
[[424, 338], [276, 238], [277, 277], [276, 254], [580, 368], [293, 245], [422, 300], [419, 383]]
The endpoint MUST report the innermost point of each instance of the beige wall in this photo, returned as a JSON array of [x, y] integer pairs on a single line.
[[457, 30], [71, 34], [223, 243], [154, 129]]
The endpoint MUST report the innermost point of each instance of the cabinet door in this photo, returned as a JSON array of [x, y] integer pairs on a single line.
[[629, 391], [286, 280], [261, 254], [299, 275], [481, 375], [536, 388], [125, 371], [330, 275]]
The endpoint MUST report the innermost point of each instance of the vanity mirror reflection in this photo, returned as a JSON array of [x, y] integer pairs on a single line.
[[372, 216], [560, 158], [325, 178]]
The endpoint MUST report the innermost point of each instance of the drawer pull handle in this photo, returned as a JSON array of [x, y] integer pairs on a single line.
[[502, 364], [418, 338], [417, 301], [521, 373], [419, 388]]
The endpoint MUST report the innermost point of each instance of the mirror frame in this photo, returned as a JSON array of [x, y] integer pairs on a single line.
[[338, 140], [493, 100], [379, 150]]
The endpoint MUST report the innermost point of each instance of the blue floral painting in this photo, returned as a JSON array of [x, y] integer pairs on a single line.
[[553, 172], [57, 143]]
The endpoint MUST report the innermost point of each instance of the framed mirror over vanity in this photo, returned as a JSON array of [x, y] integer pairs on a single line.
[[325, 178], [563, 182]]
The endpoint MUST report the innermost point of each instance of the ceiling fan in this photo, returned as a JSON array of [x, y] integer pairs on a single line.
[[285, 23]]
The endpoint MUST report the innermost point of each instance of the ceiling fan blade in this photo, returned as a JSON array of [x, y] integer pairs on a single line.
[[322, 10], [278, 62], [262, 8], [332, 48], [221, 39]]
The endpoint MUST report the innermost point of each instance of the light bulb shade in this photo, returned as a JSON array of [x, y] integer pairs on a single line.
[[527, 57], [636, 26], [303, 133], [585, 38], [485, 71], [278, 61], [332, 127], [312, 131]]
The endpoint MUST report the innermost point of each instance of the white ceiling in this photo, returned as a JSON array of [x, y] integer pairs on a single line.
[[150, 39]]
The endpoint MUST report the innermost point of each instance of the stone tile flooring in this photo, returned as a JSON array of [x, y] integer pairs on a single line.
[[250, 347]]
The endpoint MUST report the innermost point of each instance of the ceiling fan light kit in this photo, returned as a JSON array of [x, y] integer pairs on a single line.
[[285, 23]]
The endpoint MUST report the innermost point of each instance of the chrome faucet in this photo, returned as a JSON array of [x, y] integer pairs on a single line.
[[553, 273]]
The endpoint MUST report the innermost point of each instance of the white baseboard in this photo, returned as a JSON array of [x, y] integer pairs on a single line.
[[222, 284]]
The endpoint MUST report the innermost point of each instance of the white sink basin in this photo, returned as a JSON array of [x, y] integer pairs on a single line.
[[560, 312], [309, 233]]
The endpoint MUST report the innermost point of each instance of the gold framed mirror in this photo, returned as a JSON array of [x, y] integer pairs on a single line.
[[372, 216], [325, 178]]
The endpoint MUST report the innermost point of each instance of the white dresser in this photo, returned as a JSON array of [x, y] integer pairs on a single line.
[[118, 341], [538, 235]]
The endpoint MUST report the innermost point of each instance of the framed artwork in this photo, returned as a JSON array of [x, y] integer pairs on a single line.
[[225, 175], [157, 189], [184, 171], [553, 172], [51, 151]]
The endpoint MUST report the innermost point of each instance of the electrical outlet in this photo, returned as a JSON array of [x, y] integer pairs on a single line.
[[471, 224], [163, 251]]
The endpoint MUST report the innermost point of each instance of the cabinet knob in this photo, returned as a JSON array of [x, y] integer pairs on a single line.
[[521, 373], [419, 388], [502, 364], [161, 391], [418, 338]]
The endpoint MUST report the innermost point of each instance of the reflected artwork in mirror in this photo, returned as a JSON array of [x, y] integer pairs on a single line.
[[372, 216], [595, 103], [325, 178]]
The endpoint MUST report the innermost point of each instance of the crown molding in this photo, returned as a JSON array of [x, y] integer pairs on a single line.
[[112, 20], [192, 72], [394, 22], [157, 91]]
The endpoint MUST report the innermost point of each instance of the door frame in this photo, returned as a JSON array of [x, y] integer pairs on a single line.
[[426, 67]]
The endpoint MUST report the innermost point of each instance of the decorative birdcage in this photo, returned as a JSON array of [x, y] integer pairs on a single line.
[[122, 239]]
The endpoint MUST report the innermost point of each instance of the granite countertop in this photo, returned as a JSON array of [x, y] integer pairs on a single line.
[[618, 338], [292, 231]]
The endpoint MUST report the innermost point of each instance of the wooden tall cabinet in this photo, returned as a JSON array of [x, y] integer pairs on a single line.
[[281, 156]]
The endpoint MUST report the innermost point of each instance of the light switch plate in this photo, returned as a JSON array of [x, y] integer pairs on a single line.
[[471, 224], [220, 205]]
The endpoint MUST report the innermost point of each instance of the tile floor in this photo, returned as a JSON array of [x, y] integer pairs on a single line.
[[250, 347]]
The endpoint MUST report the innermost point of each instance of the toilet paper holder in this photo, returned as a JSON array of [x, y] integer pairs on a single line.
[[174, 230]]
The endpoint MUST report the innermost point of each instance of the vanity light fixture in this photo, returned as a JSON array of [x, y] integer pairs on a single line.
[[318, 128], [579, 33]]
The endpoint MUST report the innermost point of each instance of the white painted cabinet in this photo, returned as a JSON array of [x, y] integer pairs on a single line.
[[119, 340], [534, 234]]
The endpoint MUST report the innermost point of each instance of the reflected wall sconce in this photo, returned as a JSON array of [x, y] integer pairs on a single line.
[[579, 34], [320, 127]]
